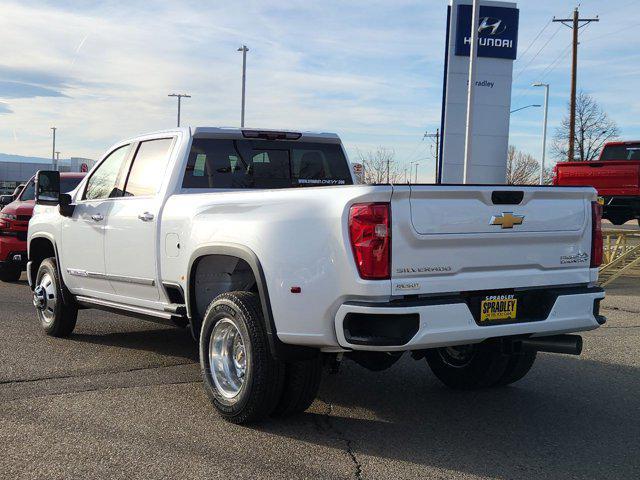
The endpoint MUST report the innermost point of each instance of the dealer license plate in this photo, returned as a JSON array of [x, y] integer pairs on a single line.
[[495, 308]]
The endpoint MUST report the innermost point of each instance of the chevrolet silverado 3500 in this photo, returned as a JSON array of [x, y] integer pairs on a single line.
[[263, 245]]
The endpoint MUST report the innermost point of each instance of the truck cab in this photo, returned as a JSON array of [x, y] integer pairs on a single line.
[[615, 175]]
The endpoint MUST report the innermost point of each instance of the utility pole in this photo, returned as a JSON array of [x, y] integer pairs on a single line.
[[473, 54], [575, 25], [180, 96], [544, 127], [53, 149], [437, 140], [244, 51], [416, 180], [388, 160]]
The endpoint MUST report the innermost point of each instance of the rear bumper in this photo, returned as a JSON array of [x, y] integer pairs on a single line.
[[439, 322]]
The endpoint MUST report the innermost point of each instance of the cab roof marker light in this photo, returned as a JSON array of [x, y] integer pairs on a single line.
[[269, 135]]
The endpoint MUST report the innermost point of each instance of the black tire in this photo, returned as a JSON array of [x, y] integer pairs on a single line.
[[480, 366], [262, 380], [518, 366], [618, 220], [10, 273], [301, 384], [57, 318]]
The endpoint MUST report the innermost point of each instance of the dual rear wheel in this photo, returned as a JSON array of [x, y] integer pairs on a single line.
[[241, 377], [469, 367]]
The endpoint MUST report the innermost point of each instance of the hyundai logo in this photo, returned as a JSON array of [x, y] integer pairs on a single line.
[[493, 25]]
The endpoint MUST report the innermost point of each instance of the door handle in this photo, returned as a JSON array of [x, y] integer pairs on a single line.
[[97, 217], [146, 216]]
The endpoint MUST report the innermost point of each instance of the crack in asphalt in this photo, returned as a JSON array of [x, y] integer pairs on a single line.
[[96, 389], [341, 437], [90, 374], [618, 309]]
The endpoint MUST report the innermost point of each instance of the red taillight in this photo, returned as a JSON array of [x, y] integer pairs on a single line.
[[370, 235], [554, 181], [596, 234]]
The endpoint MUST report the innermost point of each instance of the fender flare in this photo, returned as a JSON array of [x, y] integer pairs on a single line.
[[278, 348], [67, 298]]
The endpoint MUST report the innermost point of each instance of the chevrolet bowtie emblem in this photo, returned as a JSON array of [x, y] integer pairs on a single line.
[[506, 220]]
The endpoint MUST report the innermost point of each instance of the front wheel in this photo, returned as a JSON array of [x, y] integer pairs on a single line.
[[10, 273], [57, 318], [241, 377]]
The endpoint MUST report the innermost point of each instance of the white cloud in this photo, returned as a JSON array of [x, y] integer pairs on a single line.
[[370, 70]]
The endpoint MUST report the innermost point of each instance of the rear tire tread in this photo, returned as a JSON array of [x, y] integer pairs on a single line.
[[301, 384], [267, 379], [518, 366], [10, 274]]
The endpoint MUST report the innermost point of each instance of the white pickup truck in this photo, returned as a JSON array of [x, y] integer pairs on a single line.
[[261, 243]]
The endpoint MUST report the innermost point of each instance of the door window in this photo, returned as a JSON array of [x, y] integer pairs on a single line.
[[148, 169], [105, 181]]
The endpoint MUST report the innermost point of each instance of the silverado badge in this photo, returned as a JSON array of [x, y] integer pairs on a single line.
[[506, 220]]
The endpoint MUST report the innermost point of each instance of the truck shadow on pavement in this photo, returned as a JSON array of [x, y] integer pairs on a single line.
[[168, 342], [568, 418]]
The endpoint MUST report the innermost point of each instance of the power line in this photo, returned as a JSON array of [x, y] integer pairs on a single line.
[[553, 64], [549, 68], [538, 53], [523, 54]]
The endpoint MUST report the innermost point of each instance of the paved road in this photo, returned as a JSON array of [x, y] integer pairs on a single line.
[[122, 399]]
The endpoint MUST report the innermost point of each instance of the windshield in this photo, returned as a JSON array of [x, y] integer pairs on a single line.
[[628, 151], [218, 163], [66, 185]]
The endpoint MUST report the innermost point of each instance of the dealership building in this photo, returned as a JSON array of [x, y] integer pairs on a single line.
[[16, 169]]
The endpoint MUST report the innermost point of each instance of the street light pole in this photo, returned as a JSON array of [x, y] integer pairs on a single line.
[[544, 127], [53, 149], [179, 95], [244, 51], [473, 53]]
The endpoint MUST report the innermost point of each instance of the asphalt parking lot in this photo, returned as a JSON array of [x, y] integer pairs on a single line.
[[122, 398]]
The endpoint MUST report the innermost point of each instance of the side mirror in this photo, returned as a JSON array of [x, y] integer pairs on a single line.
[[6, 199], [66, 208], [47, 187]]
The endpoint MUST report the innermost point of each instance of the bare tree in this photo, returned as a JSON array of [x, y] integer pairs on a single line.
[[380, 166], [593, 129], [524, 169]]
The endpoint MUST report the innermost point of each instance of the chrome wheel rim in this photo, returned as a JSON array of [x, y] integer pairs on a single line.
[[458, 356], [45, 298], [227, 358]]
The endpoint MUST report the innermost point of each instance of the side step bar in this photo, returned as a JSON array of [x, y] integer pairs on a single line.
[[157, 316]]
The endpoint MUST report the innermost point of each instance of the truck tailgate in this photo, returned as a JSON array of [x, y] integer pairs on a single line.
[[449, 238], [610, 177]]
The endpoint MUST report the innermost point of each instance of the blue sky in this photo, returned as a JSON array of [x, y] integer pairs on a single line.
[[368, 70]]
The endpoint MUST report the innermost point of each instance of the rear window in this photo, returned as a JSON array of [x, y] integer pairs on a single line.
[[216, 163], [628, 151]]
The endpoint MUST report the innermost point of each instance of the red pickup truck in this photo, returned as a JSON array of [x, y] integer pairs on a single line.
[[616, 176], [14, 223]]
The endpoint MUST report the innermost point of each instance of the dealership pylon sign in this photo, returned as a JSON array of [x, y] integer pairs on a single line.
[[497, 48]]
